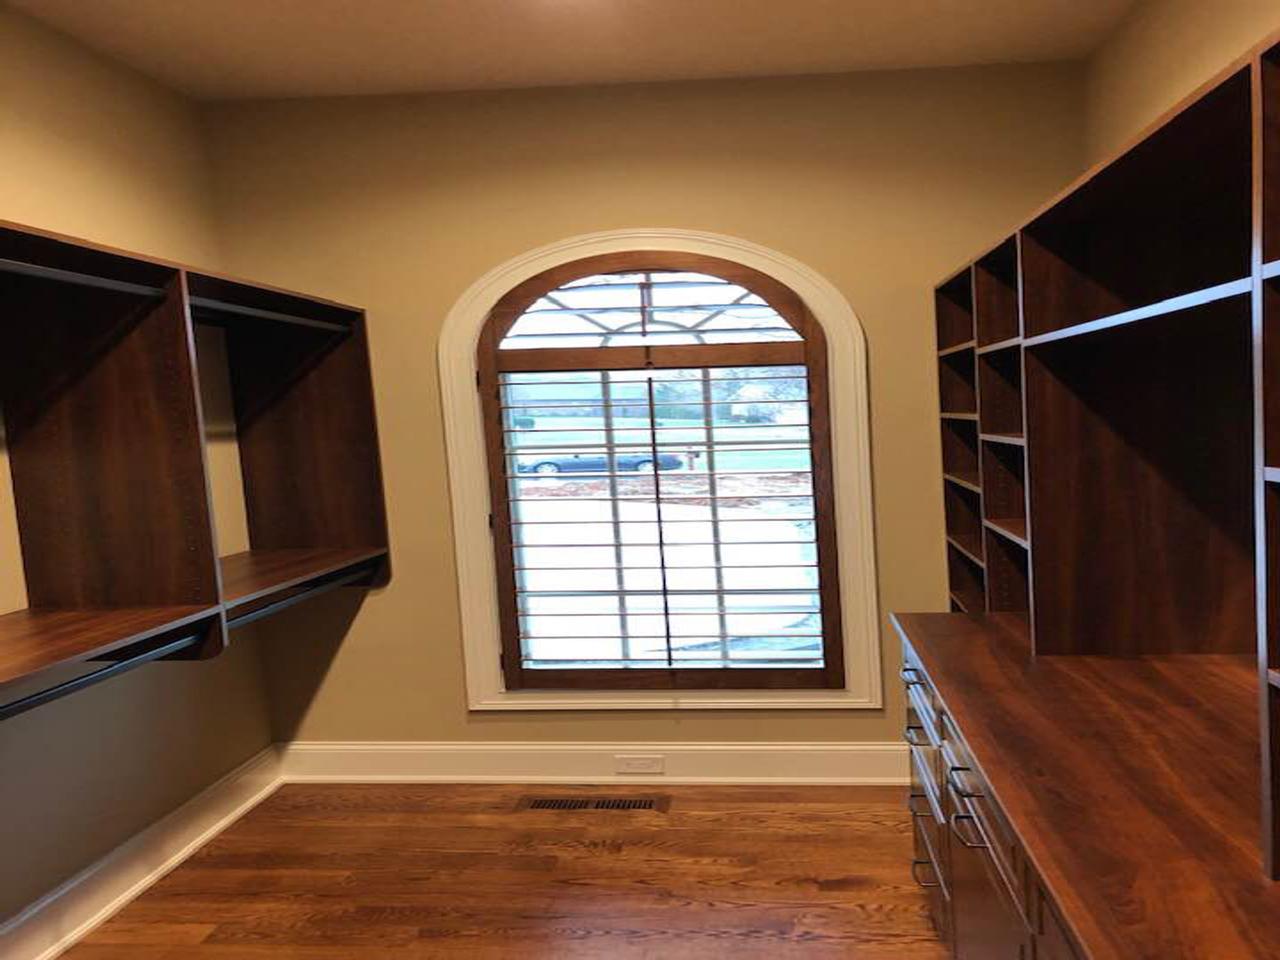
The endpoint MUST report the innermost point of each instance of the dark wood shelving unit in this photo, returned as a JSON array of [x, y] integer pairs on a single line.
[[105, 438], [1128, 462]]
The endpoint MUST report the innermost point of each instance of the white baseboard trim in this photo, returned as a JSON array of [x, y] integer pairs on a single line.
[[57, 920], [521, 762]]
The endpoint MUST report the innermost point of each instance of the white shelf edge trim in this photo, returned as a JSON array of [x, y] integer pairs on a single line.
[[72, 910], [851, 456]]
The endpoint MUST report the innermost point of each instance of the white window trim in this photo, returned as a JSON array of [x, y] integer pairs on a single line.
[[851, 459]]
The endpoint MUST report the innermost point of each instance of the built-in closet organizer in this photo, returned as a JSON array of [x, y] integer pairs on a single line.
[[105, 438], [1090, 776]]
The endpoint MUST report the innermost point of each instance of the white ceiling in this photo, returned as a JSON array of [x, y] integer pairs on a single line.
[[230, 49]]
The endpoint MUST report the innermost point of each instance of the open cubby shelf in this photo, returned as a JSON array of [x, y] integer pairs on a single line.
[[1000, 392], [1004, 496], [953, 303], [968, 580], [1007, 579], [1170, 217], [996, 310], [960, 450], [957, 383], [964, 520], [105, 435]]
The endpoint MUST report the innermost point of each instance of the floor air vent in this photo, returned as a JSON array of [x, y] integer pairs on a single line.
[[594, 803]]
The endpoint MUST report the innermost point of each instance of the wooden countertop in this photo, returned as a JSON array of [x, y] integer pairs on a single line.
[[1132, 783]]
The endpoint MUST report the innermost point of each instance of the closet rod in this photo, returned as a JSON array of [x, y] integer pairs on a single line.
[[221, 306], [313, 589], [41, 697], [79, 279]]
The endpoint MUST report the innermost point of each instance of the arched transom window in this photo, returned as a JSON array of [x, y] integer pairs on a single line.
[[660, 468]]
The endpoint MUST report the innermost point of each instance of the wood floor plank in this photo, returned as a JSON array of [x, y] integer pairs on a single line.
[[437, 872]]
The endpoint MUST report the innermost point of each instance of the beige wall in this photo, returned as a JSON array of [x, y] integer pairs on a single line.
[[882, 182], [1164, 51], [95, 151]]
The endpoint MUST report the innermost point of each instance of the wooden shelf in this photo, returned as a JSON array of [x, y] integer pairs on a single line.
[[1271, 474], [971, 548], [958, 348], [1002, 345], [1014, 529], [969, 481], [260, 574], [1016, 440], [32, 641], [1273, 677], [1234, 288], [954, 415]]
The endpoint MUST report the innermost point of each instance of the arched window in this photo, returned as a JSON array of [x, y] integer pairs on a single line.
[[657, 428]]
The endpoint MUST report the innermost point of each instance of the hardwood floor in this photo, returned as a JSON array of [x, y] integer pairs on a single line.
[[416, 871]]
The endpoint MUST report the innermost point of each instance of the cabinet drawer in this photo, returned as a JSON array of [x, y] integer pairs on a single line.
[[977, 821], [927, 869]]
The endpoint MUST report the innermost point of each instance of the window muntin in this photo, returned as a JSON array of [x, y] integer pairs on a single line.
[[647, 308], [663, 518]]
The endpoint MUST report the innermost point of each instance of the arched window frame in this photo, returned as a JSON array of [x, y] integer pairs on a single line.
[[810, 352], [467, 466]]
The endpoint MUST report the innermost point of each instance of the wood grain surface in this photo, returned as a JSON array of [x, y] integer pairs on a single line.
[[348, 872]]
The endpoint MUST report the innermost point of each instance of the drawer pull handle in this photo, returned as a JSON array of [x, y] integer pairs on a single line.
[[953, 781], [910, 676], [913, 738], [915, 873], [959, 834], [911, 807]]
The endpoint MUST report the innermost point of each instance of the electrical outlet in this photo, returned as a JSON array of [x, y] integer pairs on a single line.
[[639, 763]]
